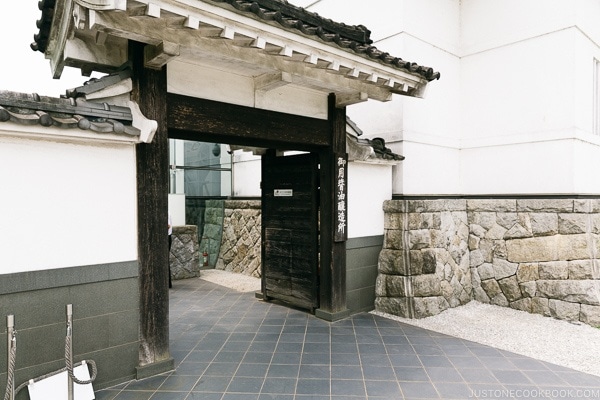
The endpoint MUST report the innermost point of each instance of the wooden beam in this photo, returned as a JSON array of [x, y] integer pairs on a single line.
[[192, 118], [149, 91], [343, 100], [156, 57]]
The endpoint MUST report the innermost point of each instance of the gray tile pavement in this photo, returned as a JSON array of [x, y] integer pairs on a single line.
[[228, 345]]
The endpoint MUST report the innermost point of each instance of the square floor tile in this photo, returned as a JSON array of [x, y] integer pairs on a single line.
[[252, 370], [477, 375], [348, 387], [245, 385], [418, 390], [221, 369], [313, 387], [179, 383], [316, 358], [346, 372], [279, 386], [216, 384], [443, 374], [411, 374], [170, 396], [309, 371], [511, 377], [453, 390], [435, 361], [283, 371], [387, 389], [378, 373]]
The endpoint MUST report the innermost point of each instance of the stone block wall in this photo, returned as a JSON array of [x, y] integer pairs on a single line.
[[184, 258], [240, 246], [424, 264], [535, 255]]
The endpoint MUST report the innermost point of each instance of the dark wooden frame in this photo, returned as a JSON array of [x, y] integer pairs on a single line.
[[191, 118], [183, 117], [152, 161], [333, 254]]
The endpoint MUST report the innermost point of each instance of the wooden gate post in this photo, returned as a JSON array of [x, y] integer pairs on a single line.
[[333, 252], [150, 92]]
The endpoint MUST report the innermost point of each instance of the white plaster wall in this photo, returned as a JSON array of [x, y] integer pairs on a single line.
[[527, 98], [368, 187], [177, 209], [513, 111], [489, 24], [520, 89], [246, 172], [426, 131], [66, 204]]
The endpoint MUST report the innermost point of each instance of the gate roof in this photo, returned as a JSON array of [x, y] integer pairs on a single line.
[[271, 41]]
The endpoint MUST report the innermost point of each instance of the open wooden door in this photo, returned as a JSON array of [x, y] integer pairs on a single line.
[[290, 229]]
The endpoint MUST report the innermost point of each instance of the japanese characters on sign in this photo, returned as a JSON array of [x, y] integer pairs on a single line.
[[341, 201]]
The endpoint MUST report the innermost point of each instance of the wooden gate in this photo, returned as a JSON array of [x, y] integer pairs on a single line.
[[290, 237]]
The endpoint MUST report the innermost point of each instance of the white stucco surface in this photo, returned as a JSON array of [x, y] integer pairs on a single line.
[[66, 204], [368, 187], [513, 112]]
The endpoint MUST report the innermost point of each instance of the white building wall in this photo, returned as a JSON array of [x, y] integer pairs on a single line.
[[513, 112], [66, 204], [527, 98], [426, 131], [246, 174], [368, 187]]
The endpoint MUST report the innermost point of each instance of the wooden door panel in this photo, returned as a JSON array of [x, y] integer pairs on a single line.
[[290, 224]]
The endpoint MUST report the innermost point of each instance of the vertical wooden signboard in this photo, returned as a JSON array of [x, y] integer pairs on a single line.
[[341, 198]]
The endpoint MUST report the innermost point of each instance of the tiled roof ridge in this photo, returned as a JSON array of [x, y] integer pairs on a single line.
[[33, 109], [40, 39], [311, 24], [308, 22], [355, 37]]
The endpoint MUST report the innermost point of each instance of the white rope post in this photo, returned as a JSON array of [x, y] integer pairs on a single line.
[[70, 354], [11, 347]]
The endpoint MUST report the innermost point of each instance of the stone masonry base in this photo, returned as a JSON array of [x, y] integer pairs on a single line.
[[536, 255]]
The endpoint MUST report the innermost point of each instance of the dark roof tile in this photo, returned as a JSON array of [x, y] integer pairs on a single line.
[[32, 109], [354, 37]]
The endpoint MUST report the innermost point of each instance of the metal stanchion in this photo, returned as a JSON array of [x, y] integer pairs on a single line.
[[70, 355], [11, 354]]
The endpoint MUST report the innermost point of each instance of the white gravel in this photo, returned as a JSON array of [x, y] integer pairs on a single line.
[[232, 280], [571, 345], [559, 342]]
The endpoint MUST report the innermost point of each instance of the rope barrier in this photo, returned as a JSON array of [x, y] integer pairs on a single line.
[[10, 374], [11, 392], [69, 364]]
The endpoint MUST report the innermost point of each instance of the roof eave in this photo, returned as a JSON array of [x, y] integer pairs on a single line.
[[92, 35]]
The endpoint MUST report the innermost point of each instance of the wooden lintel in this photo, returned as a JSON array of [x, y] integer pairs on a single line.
[[343, 100], [192, 118], [156, 57], [101, 38]]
